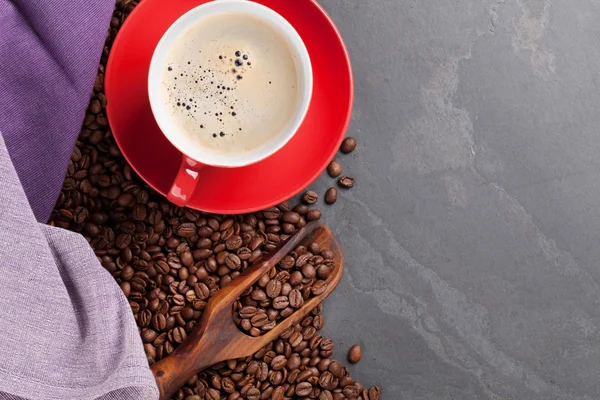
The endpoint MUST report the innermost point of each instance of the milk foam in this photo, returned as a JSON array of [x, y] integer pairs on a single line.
[[230, 83]]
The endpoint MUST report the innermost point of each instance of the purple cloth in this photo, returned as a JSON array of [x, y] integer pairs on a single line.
[[49, 54], [66, 329]]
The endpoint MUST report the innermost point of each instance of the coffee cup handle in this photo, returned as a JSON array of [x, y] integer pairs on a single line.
[[185, 183]]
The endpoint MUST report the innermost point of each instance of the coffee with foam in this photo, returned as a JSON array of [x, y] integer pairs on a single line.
[[230, 84]]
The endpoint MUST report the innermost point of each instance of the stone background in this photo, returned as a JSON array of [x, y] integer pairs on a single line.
[[471, 236]]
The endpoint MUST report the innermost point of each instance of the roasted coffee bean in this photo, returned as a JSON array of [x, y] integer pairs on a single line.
[[336, 369], [331, 195], [291, 217], [186, 230], [273, 288], [295, 299], [355, 354], [280, 302], [318, 322], [258, 295], [326, 395], [303, 389], [234, 242], [287, 262], [178, 335], [348, 145], [308, 271], [139, 212], [125, 199], [286, 312], [313, 215], [326, 380], [334, 169], [248, 312], [351, 391], [295, 339], [126, 288], [319, 287], [253, 394], [278, 363], [233, 261], [202, 291], [159, 322], [346, 182], [148, 335], [375, 393], [310, 197], [278, 393], [212, 394], [259, 320]]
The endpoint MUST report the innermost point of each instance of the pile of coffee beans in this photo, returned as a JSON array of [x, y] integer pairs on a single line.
[[169, 261], [278, 294]]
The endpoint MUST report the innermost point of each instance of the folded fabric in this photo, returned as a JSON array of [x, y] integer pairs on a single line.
[[66, 329], [49, 54]]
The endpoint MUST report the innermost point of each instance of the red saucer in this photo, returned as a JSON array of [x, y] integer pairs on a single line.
[[237, 190]]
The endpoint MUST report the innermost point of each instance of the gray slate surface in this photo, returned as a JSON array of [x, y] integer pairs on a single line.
[[472, 233]]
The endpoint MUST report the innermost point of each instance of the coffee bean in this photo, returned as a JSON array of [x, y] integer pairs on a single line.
[[126, 288], [234, 242], [248, 312], [278, 363], [375, 393], [91, 229], [295, 299], [125, 199], [351, 391], [258, 295], [253, 394], [159, 322], [331, 195], [286, 312], [326, 379], [336, 369], [319, 287], [202, 291], [303, 389], [313, 215], [348, 145], [318, 322], [355, 354], [346, 182], [291, 217], [334, 169], [139, 212], [178, 334], [278, 393], [280, 302], [233, 261], [310, 197], [123, 240], [259, 320], [309, 271], [325, 395], [274, 288], [212, 394]]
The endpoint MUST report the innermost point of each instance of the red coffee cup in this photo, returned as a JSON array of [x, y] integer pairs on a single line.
[[195, 156]]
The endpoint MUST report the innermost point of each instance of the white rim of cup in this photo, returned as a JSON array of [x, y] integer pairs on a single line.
[[303, 67]]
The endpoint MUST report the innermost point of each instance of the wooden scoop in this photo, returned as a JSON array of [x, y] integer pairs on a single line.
[[216, 338]]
